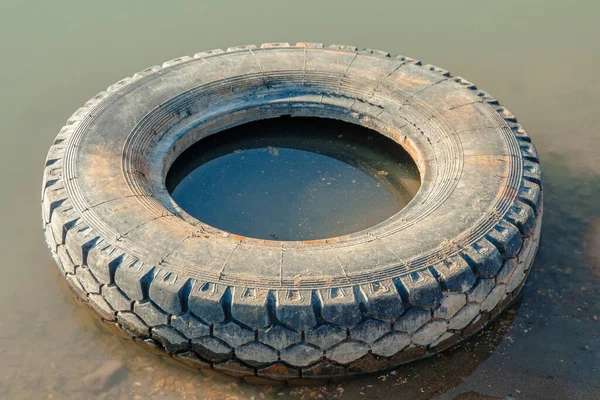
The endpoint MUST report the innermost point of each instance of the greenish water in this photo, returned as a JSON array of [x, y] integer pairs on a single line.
[[539, 58]]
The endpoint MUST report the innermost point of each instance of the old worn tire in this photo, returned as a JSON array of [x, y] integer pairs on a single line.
[[419, 282]]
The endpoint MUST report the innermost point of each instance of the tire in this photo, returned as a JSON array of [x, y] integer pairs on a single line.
[[423, 280]]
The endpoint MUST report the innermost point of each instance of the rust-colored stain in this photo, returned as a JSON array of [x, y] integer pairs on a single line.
[[485, 160], [313, 242], [277, 370], [412, 81]]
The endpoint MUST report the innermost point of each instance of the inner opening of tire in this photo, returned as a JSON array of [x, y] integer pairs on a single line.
[[301, 178]]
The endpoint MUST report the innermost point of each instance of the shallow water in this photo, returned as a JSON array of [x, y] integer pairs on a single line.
[[539, 58]]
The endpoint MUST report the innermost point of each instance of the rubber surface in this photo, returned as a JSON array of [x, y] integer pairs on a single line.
[[415, 284]]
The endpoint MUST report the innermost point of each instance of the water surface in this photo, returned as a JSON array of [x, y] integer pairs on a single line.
[[294, 179], [539, 58]]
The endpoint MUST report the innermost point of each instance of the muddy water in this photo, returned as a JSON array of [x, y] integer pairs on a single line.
[[540, 58]]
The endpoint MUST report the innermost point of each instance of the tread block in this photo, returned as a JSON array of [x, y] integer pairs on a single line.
[[444, 341], [63, 218], [52, 175], [249, 306], [484, 257], [339, 306], [167, 291], [422, 289], [66, 262], [208, 53], [116, 298], [87, 280], [233, 334], [347, 352], [310, 44], [528, 151], [79, 241], [133, 278], [241, 48], [374, 52], [519, 131], [211, 349], [301, 355], [279, 337], [412, 320], [147, 71], [517, 277], [295, 308], [455, 274], [274, 45], [370, 330], [205, 301], [114, 87], [531, 193], [325, 336], [532, 172], [451, 303], [391, 344], [486, 97], [50, 240], [170, 339], [505, 113], [103, 261], [256, 354], [467, 84], [507, 238], [439, 70], [505, 273], [150, 314], [132, 324], [382, 299], [343, 47], [176, 61], [495, 296], [190, 326], [522, 216], [429, 332], [57, 152], [101, 306], [481, 290], [528, 250], [466, 314]]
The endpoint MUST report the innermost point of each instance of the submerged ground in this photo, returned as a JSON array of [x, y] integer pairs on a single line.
[[538, 58]]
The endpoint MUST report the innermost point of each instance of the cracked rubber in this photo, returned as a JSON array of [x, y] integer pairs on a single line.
[[306, 311]]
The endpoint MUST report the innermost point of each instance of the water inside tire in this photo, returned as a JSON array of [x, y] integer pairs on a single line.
[[293, 179]]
